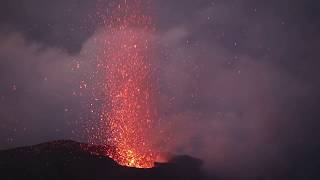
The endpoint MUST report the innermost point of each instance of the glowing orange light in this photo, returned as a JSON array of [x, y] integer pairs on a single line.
[[129, 111]]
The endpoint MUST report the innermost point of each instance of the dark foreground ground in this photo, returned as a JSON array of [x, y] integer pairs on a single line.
[[68, 160]]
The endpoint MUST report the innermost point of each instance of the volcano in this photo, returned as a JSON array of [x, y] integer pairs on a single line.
[[65, 159]]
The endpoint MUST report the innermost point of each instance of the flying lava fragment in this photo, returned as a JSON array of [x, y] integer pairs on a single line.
[[128, 113]]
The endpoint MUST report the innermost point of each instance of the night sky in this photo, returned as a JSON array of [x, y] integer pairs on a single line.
[[238, 79]]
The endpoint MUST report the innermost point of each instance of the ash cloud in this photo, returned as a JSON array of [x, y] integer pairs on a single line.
[[36, 92], [234, 91]]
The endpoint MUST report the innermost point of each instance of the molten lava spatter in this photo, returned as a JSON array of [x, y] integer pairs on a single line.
[[128, 111]]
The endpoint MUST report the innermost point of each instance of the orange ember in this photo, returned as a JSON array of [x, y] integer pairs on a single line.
[[129, 112]]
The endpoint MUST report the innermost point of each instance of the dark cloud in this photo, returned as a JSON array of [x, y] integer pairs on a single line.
[[63, 24], [239, 80]]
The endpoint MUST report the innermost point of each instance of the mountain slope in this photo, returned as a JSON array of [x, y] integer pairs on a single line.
[[72, 160]]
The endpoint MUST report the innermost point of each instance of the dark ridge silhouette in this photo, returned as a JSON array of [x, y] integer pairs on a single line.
[[68, 160]]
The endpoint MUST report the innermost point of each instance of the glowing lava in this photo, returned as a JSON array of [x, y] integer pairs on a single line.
[[129, 111]]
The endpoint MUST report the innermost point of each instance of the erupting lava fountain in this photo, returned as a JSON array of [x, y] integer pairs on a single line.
[[129, 111]]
